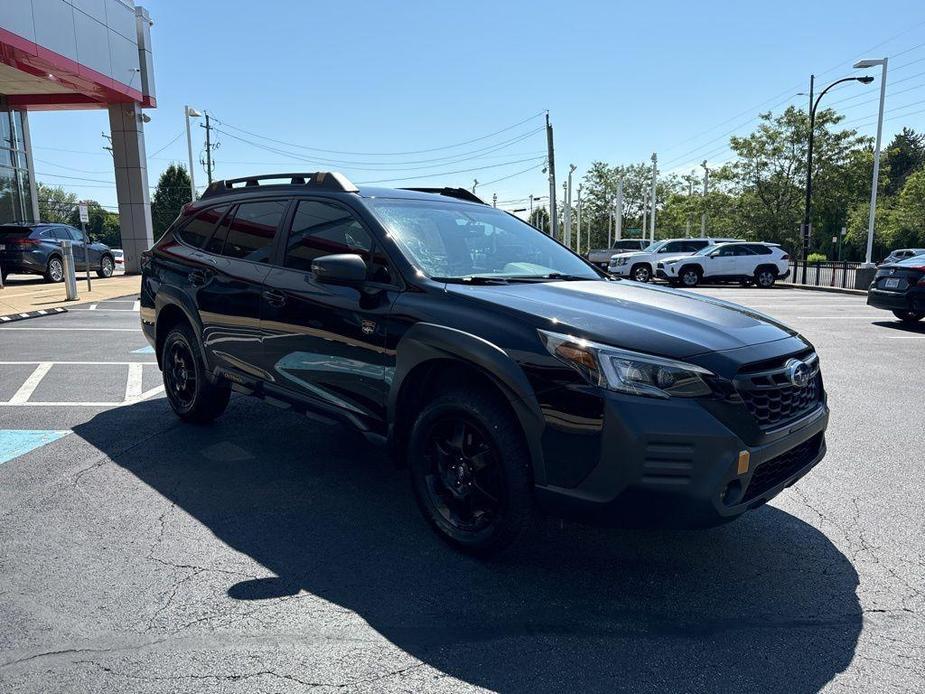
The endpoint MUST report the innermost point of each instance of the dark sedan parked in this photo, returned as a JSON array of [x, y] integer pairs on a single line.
[[900, 288], [35, 248]]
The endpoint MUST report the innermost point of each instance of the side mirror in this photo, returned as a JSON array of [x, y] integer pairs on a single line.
[[342, 268]]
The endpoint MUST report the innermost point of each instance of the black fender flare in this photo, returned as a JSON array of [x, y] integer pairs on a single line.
[[428, 341], [169, 296]]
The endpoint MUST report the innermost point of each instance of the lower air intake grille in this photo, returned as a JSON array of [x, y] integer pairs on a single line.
[[774, 471]]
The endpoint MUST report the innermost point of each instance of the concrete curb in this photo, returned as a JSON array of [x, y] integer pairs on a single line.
[[25, 315], [832, 290]]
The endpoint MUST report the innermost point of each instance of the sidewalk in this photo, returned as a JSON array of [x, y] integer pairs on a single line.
[[34, 295]]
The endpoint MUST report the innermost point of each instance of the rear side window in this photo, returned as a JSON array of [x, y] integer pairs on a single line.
[[251, 232], [199, 228], [759, 249], [321, 228]]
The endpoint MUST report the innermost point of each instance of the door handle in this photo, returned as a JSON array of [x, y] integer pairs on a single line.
[[274, 298], [198, 278]]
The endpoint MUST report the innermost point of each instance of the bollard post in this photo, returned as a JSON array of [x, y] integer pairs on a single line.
[[70, 274]]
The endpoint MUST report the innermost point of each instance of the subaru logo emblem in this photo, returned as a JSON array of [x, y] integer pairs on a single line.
[[797, 372]]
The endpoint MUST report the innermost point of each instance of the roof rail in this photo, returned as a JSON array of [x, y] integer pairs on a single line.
[[322, 180], [459, 193]]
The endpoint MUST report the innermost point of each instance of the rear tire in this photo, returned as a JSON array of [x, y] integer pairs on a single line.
[[470, 472], [191, 395], [54, 271], [765, 277], [909, 316]]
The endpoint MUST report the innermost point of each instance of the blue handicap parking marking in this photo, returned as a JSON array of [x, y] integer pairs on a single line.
[[17, 442], [144, 350]]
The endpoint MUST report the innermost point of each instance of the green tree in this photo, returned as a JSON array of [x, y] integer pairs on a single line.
[[55, 203], [95, 227], [172, 192], [904, 156]]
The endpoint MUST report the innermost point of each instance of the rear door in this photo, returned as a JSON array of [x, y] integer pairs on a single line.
[[746, 260], [233, 263], [324, 342]]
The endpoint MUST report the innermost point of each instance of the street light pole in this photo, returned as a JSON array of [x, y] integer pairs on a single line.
[[618, 212], [568, 207], [652, 214], [703, 214], [190, 112], [578, 234], [868, 263], [813, 105], [690, 194]]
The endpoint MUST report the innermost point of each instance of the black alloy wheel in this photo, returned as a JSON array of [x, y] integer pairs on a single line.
[[190, 393], [463, 482]]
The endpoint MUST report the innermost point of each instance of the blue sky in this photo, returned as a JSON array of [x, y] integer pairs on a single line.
[[621, 80]]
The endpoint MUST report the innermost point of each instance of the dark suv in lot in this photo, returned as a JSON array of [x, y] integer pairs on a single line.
[[510, 375], [35, 248]]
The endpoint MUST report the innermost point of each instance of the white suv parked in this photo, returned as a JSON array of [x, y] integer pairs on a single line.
[[761, 263], [640, 265]]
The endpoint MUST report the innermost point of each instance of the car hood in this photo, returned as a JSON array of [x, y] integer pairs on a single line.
[[661, 321], [628, 254]]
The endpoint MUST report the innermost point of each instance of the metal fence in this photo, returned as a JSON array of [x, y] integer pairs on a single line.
[[827, 274]]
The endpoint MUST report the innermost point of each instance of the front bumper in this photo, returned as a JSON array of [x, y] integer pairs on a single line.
[[619, 270], [912, 299], [672, 463]]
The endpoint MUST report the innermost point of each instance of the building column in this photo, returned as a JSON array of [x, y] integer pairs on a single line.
[[30, 165], [128, 150]]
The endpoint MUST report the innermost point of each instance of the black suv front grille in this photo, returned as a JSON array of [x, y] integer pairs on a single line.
[[773, 400], [774, 471]]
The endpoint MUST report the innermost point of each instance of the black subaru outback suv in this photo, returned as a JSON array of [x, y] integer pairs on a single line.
[[509, 374]]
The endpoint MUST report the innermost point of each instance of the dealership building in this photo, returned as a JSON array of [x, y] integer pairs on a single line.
[[77, 54]]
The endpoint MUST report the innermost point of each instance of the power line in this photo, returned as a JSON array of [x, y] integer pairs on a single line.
[[383, 154], [504, 178], [450, 173], [175, 138]]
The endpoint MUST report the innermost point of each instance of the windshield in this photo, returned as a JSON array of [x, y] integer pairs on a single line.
[[653, 247], [448, 240]]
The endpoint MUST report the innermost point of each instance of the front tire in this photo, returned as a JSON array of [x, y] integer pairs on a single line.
[[909, 316], [106, 267], [689, 277], [192, 397], [470, 472], [54, 271], [641, 273]]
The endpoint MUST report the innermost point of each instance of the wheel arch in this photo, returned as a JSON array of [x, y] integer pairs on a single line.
[[171, 310], [432, 358]]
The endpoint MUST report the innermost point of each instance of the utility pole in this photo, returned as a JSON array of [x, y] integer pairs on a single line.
[[551, 163], [494, 199], [618, 212], [531, 208], [644, 217], [609, 229], [706, 188], [578, 235], [807, 215], [564, 203], [652, 215], [690, 194], [208, 128]]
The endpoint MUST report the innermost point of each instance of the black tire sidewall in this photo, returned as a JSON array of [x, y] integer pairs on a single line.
[[643, 268], [180, 334], [758, 274], [502, 429], [683, 273]]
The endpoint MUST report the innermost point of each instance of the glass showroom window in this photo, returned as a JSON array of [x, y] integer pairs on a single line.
[[15, 183]]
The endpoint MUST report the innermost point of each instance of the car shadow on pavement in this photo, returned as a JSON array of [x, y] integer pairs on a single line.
[[766, 603], [899, 326]]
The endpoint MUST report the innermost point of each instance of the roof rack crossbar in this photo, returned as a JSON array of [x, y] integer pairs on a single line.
[[323, 180], [458, 193]]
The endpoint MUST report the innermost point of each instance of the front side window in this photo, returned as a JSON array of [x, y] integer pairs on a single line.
[[250, 235], [448, 240], [323, 228]]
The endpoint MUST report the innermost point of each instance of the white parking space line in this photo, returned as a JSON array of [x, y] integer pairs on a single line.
[[92, 307], [103, 310], [84, 363], [904, 337], [133, 385], [136, 307], [103, 330], [26, 389]]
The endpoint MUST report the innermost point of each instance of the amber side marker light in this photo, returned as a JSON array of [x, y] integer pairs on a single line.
[[744, 457]]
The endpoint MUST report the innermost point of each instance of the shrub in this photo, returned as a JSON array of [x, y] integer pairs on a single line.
[[816, 258]]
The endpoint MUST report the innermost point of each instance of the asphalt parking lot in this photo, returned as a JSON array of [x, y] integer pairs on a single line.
[[268, 553]]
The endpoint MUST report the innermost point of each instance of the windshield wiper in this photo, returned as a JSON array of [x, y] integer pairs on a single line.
[[553, 276], [473, 279]]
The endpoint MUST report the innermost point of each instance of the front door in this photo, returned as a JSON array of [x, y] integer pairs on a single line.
[[324, 342], [234, 263]]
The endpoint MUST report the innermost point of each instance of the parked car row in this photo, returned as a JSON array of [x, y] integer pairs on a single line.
[[900, 287], [35, 249]]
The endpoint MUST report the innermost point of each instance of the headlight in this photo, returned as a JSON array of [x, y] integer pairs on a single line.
[[628, 372]]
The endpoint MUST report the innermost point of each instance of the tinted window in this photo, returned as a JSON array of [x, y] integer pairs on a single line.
[[46, 234], [697, 245], [200, 227], [759, 249], [742, 250], [217, 241], [321, 228], [250, 235]]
